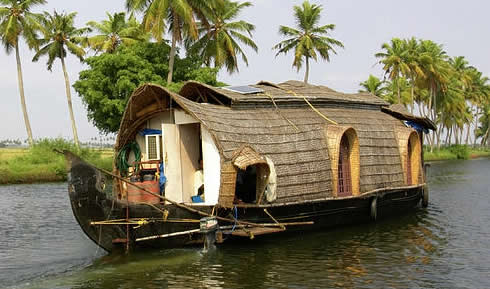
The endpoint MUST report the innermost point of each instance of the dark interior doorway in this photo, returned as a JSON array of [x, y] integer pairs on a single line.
[[409, 163], [246, 185]]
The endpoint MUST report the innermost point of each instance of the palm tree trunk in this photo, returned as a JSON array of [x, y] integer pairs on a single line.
[[467, 141], [171, 61], [476, 124], [412, 103], [439, 134], [70, 106], [461, 135], [484, 140], [456, 134], [428, 140], [398, 90], [423, 111], [448, 136], [307, 72], [22, 97], [434, 115]]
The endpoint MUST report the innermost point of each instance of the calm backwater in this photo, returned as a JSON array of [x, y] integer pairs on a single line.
[[446, 245]]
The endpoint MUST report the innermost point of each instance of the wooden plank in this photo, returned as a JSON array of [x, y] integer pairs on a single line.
[[256, 231]]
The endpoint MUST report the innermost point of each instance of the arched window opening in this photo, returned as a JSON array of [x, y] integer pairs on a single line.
[[410, 149], [343, 150], [409, 163], [344, 170]]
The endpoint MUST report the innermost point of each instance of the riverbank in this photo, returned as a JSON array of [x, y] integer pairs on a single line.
[[456, 152], [41, 164]]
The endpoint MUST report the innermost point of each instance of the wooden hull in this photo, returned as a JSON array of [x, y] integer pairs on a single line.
[[118, 225]]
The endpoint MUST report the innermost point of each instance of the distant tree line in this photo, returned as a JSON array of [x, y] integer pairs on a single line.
[[11, 142], [448, 90]]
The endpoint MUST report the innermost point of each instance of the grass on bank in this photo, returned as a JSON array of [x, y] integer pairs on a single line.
[[455, 152], [41, 164]]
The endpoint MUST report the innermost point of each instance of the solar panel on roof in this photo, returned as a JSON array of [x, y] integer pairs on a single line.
[[244, 89]]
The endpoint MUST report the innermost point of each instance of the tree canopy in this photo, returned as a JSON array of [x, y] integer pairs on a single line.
[[309, 40], [111, 79], [17, 21], [221, 35], [449, 91], [114, 31], [59, 37]]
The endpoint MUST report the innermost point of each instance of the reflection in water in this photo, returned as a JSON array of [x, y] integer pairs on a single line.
[[444, 246]]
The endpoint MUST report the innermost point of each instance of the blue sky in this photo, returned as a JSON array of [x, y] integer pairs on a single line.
[[462, 27]]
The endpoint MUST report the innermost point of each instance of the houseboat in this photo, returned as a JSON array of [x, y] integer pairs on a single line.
[[241, 162]]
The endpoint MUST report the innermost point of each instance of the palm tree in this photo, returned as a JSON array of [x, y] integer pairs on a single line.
[[16, 21], [179, 15], [415, 71], [309, 39], [60, 36], [462, 71], [437, 72], [483, 130], [220, 35], [115, 31], [373, 85], [480, 95], [400, 85], [395, 61]]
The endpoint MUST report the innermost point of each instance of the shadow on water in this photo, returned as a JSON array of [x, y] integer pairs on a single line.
[[443, 246]]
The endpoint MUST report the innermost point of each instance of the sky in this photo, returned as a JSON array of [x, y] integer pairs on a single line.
[[362, 26]]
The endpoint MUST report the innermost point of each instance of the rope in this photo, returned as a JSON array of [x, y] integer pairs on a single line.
[[235, 217], [312, 107], [123, 156], [278, 111]]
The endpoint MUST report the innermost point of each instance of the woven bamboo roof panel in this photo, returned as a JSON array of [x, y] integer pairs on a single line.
[[287, 93]]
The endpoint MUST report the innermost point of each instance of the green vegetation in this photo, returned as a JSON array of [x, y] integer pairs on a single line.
[[106, 86], [17, 21], [61, 36], [114, 32], [447, 90], [41, 164], [454, 152], [218, 39], [309, 40], [179, 16]]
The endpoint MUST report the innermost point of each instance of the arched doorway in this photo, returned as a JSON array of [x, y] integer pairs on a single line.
[[344, 187], [409, 163]]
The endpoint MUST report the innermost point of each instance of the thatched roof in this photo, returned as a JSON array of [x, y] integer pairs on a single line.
[[289, 93], [299, 151], [399, 111]]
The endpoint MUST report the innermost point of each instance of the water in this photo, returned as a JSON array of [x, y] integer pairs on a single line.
[[444, 246]]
